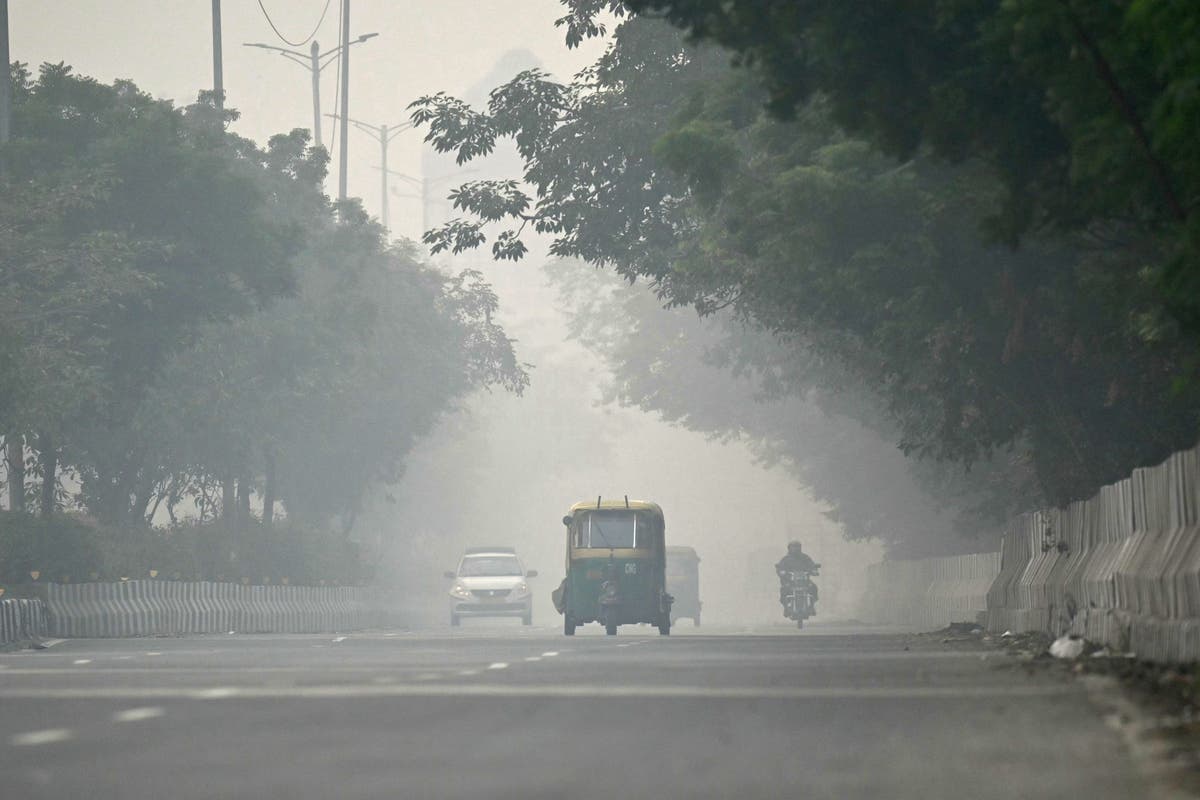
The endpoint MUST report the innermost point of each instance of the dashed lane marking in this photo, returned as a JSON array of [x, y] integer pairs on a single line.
[[82, 661], [533, 658], [138, 714], [498, 665], [550, 691], [339, 639], [33, 738], [154, 653], [550, 654], [466, 673]]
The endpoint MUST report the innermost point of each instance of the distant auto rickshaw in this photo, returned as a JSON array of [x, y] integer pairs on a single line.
[[616, 565], [683, 583]]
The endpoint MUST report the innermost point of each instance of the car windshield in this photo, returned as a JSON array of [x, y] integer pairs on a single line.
[[481, 566]]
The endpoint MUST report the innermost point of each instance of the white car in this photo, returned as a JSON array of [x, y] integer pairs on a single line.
[[490, 582]]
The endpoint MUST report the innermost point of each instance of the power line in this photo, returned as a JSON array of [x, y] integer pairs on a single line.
[[284, 39]]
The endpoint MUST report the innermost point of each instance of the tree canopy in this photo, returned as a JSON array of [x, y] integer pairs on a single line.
[[874, 266], [187, 317]]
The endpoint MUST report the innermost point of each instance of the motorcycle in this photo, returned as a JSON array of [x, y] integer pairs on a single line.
[[798, 596]]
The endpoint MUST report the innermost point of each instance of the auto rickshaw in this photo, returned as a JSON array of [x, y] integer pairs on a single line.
[[616, 567], [683, 583]]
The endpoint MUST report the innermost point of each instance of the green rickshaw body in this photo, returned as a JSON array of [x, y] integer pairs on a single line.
[[683, 583], [616, 566]]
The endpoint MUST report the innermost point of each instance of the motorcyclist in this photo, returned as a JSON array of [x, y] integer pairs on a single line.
[[797, 561]]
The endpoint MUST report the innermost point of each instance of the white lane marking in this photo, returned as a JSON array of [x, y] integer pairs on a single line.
[[533, 658], [498, 665], [466, 673], [550, 654], [154, 653], [82, 661], [138, 714], [49, 736], [339, 639], [623, 645], [124, 658], [547, 691]]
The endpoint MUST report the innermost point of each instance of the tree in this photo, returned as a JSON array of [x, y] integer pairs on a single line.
[[1084, 110], [188, 316], [661, 163]]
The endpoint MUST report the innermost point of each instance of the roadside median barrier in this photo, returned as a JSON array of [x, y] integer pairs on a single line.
[[21, 620], [930, 593], [156, 607], [1121, 568]]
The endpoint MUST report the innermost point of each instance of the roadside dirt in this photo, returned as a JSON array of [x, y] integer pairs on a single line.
[[1155, 708]]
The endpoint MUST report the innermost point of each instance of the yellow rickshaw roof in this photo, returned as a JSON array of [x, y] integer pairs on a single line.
[[618, 505]]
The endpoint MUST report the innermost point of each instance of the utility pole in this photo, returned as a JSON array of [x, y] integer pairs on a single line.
[[6, 84], [384, 135], [314, 61], [218, 70], [343, 151]]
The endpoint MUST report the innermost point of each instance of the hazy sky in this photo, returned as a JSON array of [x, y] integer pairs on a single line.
[[423, 46]]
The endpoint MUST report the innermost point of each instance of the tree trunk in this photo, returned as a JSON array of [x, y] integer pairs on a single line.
[[16, 471], [48, 461], [243, 502], [268, 514], [228, 504]]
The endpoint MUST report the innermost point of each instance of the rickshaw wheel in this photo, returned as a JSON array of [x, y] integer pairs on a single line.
[[611, 628], [568, 625]]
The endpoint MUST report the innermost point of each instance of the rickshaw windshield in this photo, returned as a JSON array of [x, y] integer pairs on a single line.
[[611, 529]]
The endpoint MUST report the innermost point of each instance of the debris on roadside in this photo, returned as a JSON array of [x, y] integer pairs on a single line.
[[1068, 646]]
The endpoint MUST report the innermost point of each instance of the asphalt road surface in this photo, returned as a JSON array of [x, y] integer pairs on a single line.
[[499, 711]]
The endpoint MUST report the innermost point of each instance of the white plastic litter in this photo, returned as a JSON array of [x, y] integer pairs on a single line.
[[1069, 646]]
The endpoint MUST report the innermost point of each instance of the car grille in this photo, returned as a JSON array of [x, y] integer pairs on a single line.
[[490, 594]]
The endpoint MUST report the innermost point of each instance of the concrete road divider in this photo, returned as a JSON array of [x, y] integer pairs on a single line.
[[1121, 568], [930, 593], [22, 620], [142, 608]]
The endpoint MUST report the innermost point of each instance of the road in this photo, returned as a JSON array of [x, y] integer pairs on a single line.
[[493, 711]]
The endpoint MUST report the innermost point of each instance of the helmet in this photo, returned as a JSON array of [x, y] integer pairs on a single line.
[[794, 547]]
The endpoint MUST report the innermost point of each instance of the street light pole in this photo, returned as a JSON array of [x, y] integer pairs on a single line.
[[383, 189], [6, 83], [423, 185], [343, 150], [384, 135], [218, 67], [314, 61]]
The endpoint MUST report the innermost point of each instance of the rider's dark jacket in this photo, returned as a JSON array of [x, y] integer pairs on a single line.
[[795, 562]]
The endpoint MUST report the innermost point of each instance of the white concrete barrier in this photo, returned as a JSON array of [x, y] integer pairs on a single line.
[[1121, 568], [141, 608], [930, 593], [22, 620]]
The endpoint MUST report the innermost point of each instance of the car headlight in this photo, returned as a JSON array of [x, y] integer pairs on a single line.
[[460, 591], [520, 590]]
